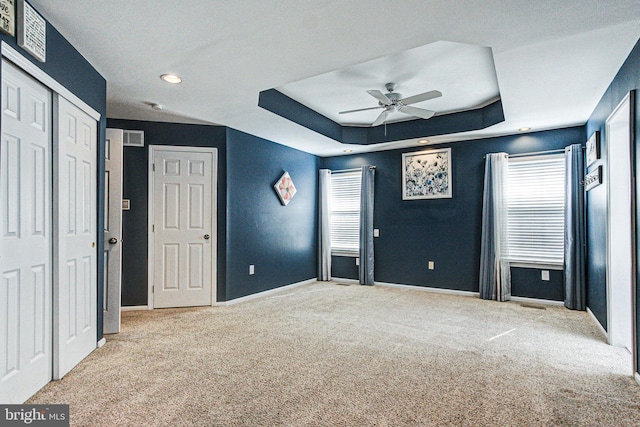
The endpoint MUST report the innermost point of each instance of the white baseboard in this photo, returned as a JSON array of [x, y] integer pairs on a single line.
[[637, 376], [102, 342], [134, 308], [428, 289], [538, 301], [264, 293], [597, 322]]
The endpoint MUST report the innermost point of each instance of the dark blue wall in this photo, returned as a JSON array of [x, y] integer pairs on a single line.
[[69, 68], [135, 188], [627, 79], [446, 231], [279, 240]]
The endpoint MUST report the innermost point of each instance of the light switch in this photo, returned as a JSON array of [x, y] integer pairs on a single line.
[[545, 275], [252, 269], [357, 261], [376, 232], [431, 265]]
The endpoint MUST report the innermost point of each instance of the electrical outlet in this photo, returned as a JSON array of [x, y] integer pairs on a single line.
[[357, 261], [252, 269], [545, 275], [432, 265], [376, 232]]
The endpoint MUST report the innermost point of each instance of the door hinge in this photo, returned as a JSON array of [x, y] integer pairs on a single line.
[[153, 289], [153, 228], [153, 167]]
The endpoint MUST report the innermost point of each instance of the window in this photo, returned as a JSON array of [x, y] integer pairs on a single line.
[[535, 203], [345, 213]]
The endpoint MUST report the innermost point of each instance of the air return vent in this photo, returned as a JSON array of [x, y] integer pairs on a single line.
[[133, 138]]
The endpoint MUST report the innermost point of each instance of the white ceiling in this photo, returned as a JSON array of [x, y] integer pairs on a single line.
[[553, 59], [465, 74]]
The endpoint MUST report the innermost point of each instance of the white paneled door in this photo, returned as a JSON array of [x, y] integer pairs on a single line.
[[75, 257], [112, 253], [25, 250], [183, 231]]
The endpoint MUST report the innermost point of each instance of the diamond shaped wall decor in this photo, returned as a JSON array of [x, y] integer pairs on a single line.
[[285, 188]]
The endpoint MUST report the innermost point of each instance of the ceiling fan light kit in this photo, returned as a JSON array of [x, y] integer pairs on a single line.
[[393, 102]]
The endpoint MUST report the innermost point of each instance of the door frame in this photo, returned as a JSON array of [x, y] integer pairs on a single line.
[[214, 216], [629, 98]]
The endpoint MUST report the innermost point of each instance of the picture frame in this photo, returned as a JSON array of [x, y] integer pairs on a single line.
[[593, 148], [8, 17], [593, 179], [427, 174], [285, 189]]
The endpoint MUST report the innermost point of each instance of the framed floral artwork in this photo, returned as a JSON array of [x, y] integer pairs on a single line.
[[285, 188], [426, 174], [593, 148]]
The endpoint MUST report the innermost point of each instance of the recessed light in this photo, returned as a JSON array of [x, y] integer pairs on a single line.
[[171, 78], [524, 129], [423, 141], [348, 151]]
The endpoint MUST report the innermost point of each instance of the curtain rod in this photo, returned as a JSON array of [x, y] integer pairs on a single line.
[[538, 153], [535, 153], [350, 170]]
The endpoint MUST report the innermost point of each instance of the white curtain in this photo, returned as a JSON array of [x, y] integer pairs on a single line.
[[324, 229], [495, 273]]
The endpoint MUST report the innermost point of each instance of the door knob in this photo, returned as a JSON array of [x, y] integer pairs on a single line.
[[113, 241], [206, 237]]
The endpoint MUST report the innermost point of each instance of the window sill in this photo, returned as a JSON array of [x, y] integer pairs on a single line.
[[345, 254], [537, 266]]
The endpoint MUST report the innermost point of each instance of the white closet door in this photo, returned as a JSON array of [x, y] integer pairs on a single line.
[[26, 242], [75, 314]]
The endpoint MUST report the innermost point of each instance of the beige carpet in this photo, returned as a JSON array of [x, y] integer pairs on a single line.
[[332, 355]]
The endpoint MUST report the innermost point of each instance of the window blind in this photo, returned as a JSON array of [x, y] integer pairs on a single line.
[[535, 206], [345, 213]]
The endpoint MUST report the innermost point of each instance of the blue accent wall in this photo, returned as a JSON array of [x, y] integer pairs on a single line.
[[280, 241], [69, 68], [135, 188], [627, 79], [446, 231]]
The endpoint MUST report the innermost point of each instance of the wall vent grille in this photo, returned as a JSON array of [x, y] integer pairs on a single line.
[[133, 138]]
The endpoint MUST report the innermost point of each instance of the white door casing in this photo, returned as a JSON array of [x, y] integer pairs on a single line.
[[112, 252], [75, 254], [182, 200], [619, 227], [25, 250]]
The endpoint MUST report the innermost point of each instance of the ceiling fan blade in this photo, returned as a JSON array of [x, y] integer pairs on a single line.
[[421, 97], [380, 96], [418, 112], [359, 109], [381, 118]]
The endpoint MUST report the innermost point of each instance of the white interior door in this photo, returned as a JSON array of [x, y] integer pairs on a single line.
[[75, 257], [25, 250], [183, 226], [619, 245], [112, 252]]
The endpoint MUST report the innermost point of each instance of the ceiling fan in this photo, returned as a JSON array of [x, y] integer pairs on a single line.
[[393, 101]]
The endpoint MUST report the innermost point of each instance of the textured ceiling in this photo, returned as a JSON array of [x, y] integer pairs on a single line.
[[553, 59], [465, 74]]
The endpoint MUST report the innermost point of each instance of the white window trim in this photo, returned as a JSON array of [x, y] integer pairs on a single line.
[[355, 253], [533, 263]]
